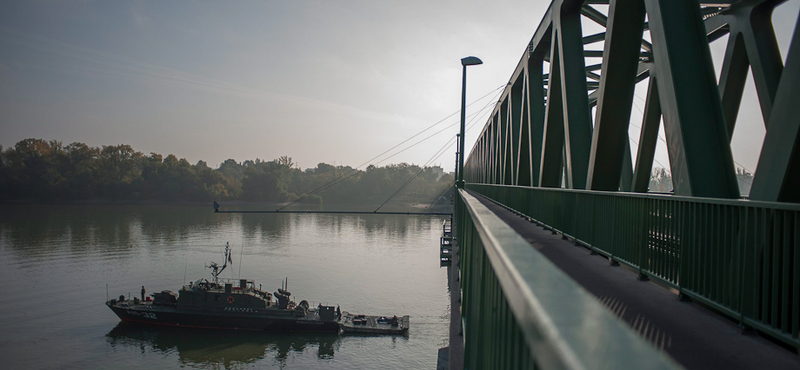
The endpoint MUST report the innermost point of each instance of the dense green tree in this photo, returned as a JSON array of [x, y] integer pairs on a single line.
[[232, 173], [35, 169], [34, 166], [79, 170], [267, 181]]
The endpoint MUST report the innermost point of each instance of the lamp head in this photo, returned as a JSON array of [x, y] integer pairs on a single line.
[[470, 61]]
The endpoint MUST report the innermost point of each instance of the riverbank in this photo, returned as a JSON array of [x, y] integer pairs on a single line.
[[241, 205]]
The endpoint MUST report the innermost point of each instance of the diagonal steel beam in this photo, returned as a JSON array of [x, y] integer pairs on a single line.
[[620, 64], [498, 153], [732, 79], [595, 15], [648, 138], [550, 168], [515, 117], [524, 177], [777, 177], [755, 23], [594, 38], [536, 101], [697, 139], [601, 19], [577, 120], [505, 118]]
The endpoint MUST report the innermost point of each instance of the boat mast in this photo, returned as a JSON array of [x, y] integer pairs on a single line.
[[215, 269]]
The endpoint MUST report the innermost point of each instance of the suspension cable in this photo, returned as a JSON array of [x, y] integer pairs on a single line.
[[436, 156], [353, 172]]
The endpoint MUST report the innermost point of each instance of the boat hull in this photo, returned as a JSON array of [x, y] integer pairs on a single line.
[[370, 324], [232, 320]]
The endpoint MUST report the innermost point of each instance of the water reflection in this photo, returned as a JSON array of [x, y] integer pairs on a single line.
[[393, 224], [33, 228], [219, 348], [266, 226], [92, 225], [375, 263]]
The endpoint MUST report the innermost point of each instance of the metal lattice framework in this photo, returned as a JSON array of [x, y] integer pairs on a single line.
[[741, 257], [542, 132]]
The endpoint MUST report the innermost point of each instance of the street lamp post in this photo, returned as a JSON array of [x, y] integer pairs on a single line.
[[468, 61], [457, 156]]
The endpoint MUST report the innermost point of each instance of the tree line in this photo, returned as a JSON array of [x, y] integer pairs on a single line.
[[40, 170], [661, 180]]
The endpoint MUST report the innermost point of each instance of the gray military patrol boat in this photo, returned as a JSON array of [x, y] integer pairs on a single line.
[[226, 304], [239, 304]]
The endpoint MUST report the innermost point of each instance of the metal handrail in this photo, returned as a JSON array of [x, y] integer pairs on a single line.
[[521, 310], [740, 257]]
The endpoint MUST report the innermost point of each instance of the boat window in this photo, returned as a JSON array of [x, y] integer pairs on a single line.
[[216, 297]]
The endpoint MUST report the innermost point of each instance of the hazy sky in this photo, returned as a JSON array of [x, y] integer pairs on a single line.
[[319, 81]]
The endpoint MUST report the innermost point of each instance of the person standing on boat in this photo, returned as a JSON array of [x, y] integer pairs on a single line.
[[142, 293]]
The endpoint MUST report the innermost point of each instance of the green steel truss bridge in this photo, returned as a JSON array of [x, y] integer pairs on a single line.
[[556, 150]]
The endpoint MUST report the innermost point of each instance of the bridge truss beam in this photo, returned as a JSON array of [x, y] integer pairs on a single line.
[[562, 122], [568, 127]]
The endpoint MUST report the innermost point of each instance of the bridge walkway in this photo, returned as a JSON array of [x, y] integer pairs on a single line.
[[692, 334]]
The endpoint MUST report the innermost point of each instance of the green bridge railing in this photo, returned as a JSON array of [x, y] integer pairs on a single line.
[[522, 312], [740, 257]]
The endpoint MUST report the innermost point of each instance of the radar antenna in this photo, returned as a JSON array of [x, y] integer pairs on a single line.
[[216, 269]]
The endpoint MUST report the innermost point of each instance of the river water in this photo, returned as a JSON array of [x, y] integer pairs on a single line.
[[56, 262]]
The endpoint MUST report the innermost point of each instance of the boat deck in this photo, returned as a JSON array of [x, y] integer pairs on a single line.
[[368, 324]]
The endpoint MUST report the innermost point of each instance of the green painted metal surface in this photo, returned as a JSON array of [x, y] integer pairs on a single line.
[[575, 103], [699, 112], [505, 144], [648, 138], [751, 42], [697, 139], [740, 257], [515, 121], [777, 176], [537, 112], [550, 168], [522, 312], [617, 83]]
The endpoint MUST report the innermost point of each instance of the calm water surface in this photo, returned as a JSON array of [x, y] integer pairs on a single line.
[[57, 260]]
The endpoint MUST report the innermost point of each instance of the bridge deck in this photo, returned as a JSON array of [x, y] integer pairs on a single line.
[[694, 336]]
